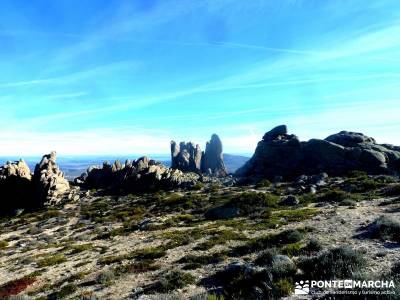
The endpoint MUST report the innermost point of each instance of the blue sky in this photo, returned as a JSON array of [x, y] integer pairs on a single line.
[[124, 77]]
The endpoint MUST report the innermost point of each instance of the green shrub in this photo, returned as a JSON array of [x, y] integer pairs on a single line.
[[269, 241], [290, 236], [173, 280], [386, 228], [348, 202], [220, 237], [136, 267], [283, 288], [80, 248], [334, 196], [66, 291], [149, 253], [105, 277], [3, 244], [51, 260], [341, 262], [265, 257], [265, 183], [312, 246], [198, 186]]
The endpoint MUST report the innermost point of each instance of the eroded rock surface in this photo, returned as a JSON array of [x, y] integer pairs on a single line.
[[188, 157], [141, 175], [48, 179], [283, 154]]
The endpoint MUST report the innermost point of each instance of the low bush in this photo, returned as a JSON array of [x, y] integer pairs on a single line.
[[265, 183], [51, 260], [246, 282], [66, 291], [386, 228], [172, 280], [341, 262], [105, 277], [269, 241], [3, 244]]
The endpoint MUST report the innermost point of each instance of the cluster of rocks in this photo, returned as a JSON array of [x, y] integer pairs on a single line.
[[283, 155], [22, 189], [49, 179], [188, 157], [141, 175]]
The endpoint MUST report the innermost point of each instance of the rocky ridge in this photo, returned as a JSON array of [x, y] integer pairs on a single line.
[[280, 154], [140, 175], [188, 157], [45, 186]]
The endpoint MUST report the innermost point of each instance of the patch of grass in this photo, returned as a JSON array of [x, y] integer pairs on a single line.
[[172, 280], [149, 253], [265, 183], [108, 260], [198, 186], [293, 249], [105, 277], [334, 195], [312, 246], [66, 291], [308, 198], [219, 237], [80, 248], [250, 202], [137, 267], [269, 241], [243, 204], [51, 260], [297, 215], [265, 257], [386, 228], [341, 262], [182, 237], [348, 202], [363, 183], [239, 281], [283, 288], [3, 244], [203, 259]]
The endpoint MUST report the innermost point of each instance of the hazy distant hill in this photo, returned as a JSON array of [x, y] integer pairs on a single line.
[[234, 162], [74, 166]]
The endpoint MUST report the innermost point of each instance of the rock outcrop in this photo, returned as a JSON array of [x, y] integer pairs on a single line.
[[283, 154], [49, 181], [213, 161], [142, 175], [19, 189], [188, 157], [16, 187]]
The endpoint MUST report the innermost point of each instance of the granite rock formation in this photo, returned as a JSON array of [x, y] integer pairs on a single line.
[[142, 175], [22, 190], [213, 161], [188, 157], [49, 181], [283, 154], [15, 186]]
